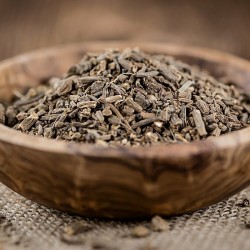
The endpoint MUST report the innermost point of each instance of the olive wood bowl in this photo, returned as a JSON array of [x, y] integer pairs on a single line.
[[122, 182]]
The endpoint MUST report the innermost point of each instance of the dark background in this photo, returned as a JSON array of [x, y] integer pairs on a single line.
[[26, 25]]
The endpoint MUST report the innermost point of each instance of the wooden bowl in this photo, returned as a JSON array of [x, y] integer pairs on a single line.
[[122, 182]]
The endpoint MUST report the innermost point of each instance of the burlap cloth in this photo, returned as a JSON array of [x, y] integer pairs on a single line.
[[27, 225]]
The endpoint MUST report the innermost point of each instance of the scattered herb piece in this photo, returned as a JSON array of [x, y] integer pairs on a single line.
[[140, 232], [159, 224]]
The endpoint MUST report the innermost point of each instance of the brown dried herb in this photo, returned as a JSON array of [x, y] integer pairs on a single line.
[[199, 124], [140, 231], [74, 233], [2, 114], [73, 239], [78, 227], [159, 224], [129, 98], [64, 87], [28, 122]]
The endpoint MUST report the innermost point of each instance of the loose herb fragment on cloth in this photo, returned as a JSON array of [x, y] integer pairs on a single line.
[[74, 233], [140, 232], [129, 98], [158, 224]]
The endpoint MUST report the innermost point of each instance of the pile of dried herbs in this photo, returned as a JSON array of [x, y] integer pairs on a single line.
[[129, 98]]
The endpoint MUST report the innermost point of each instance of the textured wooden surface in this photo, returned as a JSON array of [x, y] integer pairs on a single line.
[[122, 183], [27, 25]]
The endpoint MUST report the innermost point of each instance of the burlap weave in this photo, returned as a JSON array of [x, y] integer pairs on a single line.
[[27, 225]]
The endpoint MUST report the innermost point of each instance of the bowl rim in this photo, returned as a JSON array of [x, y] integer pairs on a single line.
[[161, 150]]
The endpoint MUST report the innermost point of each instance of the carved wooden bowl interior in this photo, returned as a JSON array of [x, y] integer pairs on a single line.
[[122, 182]]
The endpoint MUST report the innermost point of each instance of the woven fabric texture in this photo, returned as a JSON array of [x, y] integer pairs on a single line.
[[27, 225]]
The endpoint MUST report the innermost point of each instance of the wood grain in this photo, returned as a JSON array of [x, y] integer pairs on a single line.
[[122, 182]]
